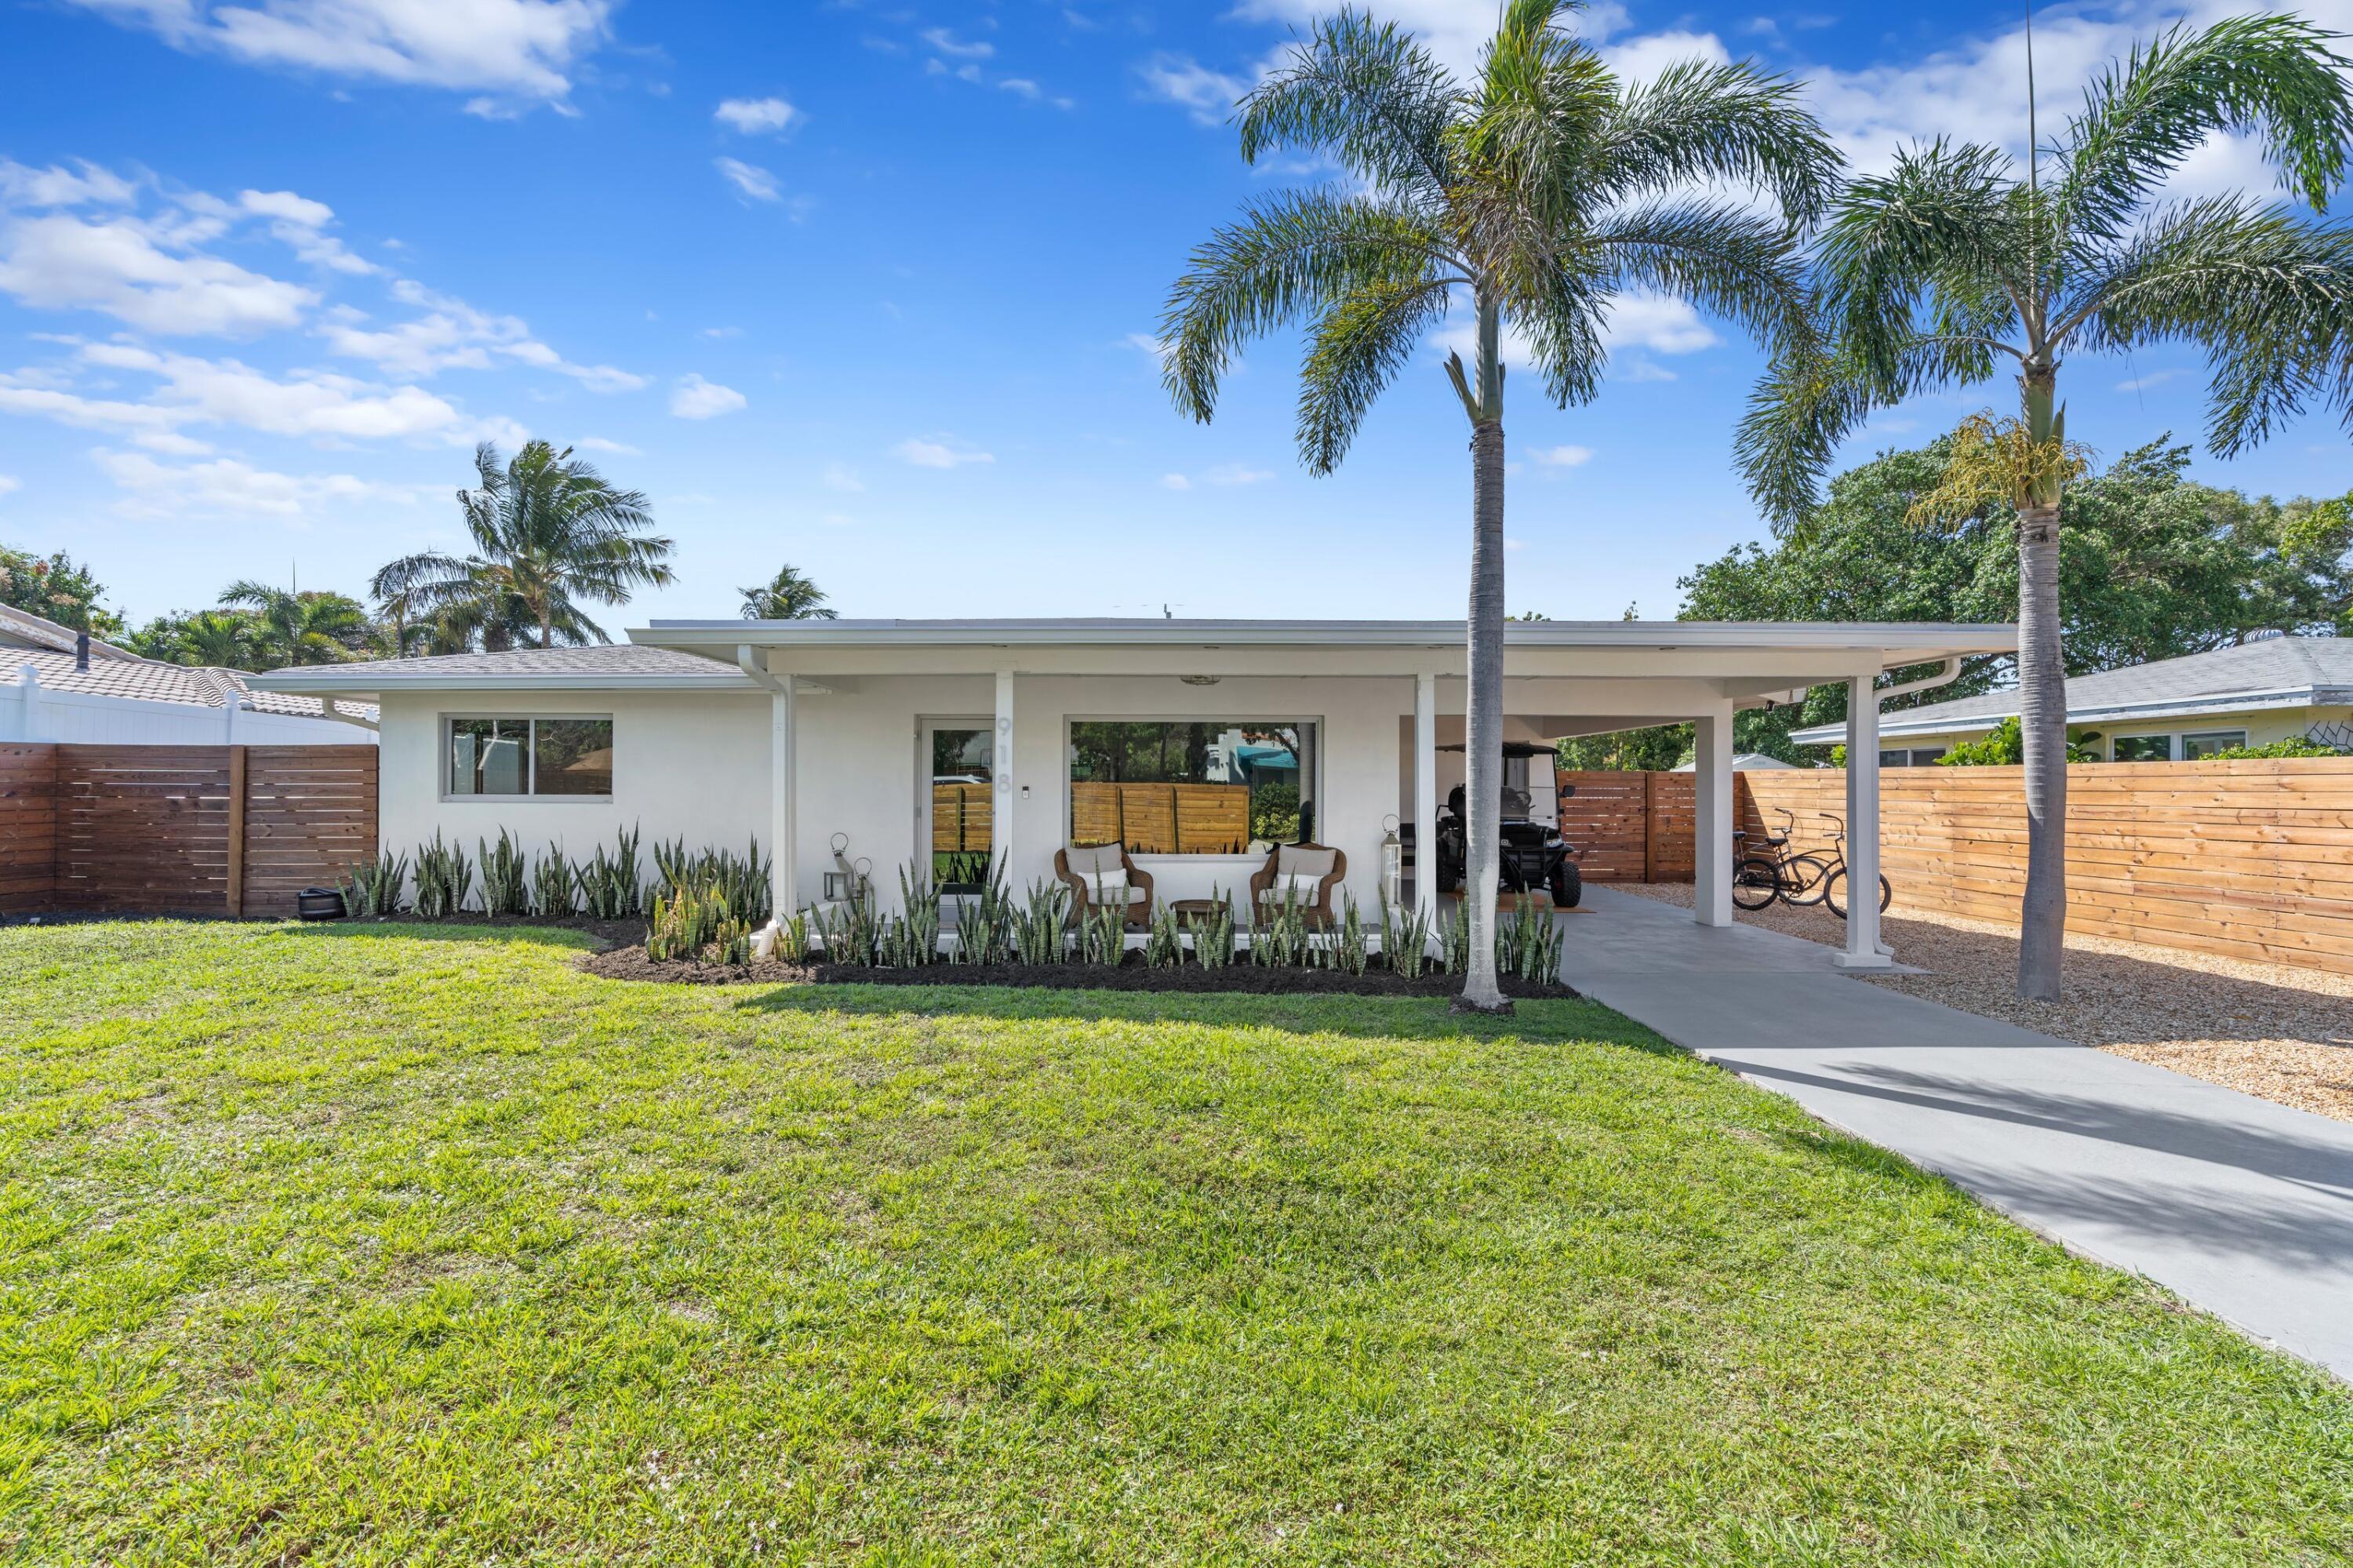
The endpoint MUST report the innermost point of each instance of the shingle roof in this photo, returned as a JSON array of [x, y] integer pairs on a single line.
[[2315, 670], [618, 661], [124, 675]]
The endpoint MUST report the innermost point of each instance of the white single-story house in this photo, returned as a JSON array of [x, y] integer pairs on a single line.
[[58, 686], [1187, 741], [2174, 710]]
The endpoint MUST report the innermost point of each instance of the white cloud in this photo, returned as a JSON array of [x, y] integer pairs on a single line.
[[9, 482], [940, 452], [1454, 31], [754, 182], [311, 404], [2154, 379], [1639, 59], [225, 487], [286, 205], [1235, 473], [512, 50], [1633, 370], [1020, 85], [117, 266], [56, 186], [1208, 95], [599, 444], [695, 398], [842, 477], [454, 335], [756, 116], [947, 43], [1659, 322], [1176, 481], [1561, 457]]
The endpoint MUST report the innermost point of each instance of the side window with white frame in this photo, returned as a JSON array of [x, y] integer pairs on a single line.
[[519, 759], [2144, 749], [2208, 742]]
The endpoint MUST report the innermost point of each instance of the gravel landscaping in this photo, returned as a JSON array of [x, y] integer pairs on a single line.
[[2270, 1030]]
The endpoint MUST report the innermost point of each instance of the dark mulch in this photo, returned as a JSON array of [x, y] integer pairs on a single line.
[[631, 964]]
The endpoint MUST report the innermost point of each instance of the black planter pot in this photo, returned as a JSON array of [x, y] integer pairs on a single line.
[[319, 904]]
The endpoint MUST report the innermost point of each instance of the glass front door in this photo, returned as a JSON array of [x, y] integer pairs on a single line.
[[958, 802]]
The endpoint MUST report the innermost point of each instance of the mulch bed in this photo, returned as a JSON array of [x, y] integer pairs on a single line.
[[631, 964]]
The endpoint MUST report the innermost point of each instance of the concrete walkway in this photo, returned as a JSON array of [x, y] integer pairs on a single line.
[[2241, 1206]]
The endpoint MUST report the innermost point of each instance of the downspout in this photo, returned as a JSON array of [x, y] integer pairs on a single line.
[[1946, 676]]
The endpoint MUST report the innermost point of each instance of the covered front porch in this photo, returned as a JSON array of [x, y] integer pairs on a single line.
[[1199, 745]]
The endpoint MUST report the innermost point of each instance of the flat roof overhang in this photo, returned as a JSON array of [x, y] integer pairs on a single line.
[[1763, 655]]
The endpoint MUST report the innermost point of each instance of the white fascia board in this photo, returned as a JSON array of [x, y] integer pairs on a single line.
[[304, 682], [2107, 713], [1917, 643]]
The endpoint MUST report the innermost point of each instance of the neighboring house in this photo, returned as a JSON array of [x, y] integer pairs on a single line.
[[2175, 710], [945, 743], [1742, 762], [56, 685]]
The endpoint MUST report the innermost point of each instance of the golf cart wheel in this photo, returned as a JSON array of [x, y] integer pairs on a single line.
[[1567, 887], [1756, 883]]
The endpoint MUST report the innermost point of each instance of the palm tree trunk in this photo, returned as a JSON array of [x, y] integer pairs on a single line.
[[2043, 723], [1483, 739]]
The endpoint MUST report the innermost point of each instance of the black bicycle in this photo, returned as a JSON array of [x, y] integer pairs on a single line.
[[1758, 879], [1834, 879]]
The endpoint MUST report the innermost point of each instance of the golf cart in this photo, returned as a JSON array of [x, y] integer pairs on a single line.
[[1533, 854]]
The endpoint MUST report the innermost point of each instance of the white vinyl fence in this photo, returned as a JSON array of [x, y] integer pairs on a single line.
[[30, 713]]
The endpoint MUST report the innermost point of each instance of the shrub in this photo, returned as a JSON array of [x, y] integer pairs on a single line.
[[694, 925], [555, 885], [2005, 747], [444, 879], [2295, 746], [610, 884], [1405, 940], [742, 880], [1213, 935], [371, 891], [504, 888]]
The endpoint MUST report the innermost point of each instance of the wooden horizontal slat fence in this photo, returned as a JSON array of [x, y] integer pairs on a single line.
[[2250, 860], [1162, 819], [180, 829], [964, 818]]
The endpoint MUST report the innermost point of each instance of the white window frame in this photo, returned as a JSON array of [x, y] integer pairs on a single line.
[[2189, 735], [441, 763], [1069, 756]]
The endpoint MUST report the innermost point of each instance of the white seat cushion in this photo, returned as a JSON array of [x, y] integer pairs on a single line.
[[1096, 860], [1315, 865], [1305, 889], [1111, 889]]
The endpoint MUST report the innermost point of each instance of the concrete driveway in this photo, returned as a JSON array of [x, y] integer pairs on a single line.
[[2240, 1206]]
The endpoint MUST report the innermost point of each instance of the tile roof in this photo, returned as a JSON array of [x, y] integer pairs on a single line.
[[123, 675], [2320, 665]]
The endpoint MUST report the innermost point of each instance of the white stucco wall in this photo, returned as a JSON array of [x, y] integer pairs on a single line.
[[696, 766]]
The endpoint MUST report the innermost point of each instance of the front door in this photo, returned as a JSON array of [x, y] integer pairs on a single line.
[[955, 801]]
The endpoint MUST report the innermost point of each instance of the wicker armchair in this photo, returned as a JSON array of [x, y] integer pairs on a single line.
[[1083, 868], [1329, 866]]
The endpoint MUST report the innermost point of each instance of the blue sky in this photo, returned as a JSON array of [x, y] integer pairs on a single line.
[[868, 288]]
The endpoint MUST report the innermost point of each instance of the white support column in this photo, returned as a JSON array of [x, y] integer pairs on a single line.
[[1864, 948], [784, 827], [1001, 813], [1712, 819], [1425, 794]]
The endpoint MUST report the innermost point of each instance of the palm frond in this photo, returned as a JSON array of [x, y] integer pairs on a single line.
[[1699, 120], [1940, 222], [2272, 75], [1364, 93], [1357, 348], [1293, 255], [1734, 261]]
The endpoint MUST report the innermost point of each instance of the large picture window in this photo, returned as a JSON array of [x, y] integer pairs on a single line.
[[530, 756], [1192, 786]]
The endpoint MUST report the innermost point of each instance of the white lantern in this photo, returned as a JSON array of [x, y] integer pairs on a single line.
[[1392, 863]]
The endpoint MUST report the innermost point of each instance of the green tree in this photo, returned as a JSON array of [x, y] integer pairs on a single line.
[[788, 596], [1538, 193], [221, 638], [1931, 274], [548, 534], [289, 627], [55, 588]]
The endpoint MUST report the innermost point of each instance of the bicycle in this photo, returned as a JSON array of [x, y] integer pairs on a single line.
[[1834, 879], [1797, 879]]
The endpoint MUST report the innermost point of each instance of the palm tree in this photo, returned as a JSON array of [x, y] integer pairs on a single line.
[[1537, 195], [788, 596], [1930, 274], [222, 639], [289, 627], [548, 533]]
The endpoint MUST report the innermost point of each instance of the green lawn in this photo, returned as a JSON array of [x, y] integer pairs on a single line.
[[402, 1244]]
